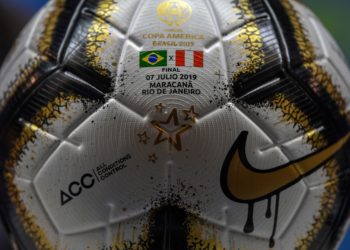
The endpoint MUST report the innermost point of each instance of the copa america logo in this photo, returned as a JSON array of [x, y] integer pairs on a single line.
[[174, 12]]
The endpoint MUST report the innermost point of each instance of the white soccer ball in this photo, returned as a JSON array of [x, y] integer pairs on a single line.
[[174, 125]]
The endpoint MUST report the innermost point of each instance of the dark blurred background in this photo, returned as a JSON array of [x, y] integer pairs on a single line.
[[14, 14]]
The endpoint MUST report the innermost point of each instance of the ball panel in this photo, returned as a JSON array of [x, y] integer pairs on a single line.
[[325, 45], [31, 162], [321, 41], [28, 195], [295, 232]]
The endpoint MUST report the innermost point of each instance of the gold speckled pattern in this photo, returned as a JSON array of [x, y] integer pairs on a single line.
[[251, 39], [119, 242], [28, 133], [138, 242], [319, 75], [197, 239], [23, 80], [50, 25], [293, 115], [322, 78], [98, 34]]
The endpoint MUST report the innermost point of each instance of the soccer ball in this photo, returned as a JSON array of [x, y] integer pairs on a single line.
[[174, 125]]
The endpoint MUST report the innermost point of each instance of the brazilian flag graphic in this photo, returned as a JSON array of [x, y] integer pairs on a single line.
[[155, 58]]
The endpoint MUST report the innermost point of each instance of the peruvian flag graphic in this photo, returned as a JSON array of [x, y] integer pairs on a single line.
[[189, 58]]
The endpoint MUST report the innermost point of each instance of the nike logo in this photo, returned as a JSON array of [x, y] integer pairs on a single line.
[[241, 182]]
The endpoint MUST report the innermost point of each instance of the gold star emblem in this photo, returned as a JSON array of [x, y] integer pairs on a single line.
[[191, 114], [160, 107], [143, 137], [170, 130], [152, 158]]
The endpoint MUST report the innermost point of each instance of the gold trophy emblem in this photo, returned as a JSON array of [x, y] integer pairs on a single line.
[[174, 12]]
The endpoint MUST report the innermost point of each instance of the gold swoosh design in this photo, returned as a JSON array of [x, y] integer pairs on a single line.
[[241, 182]]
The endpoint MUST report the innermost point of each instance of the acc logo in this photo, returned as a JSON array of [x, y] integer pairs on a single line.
[[174, 12], [75, 188]]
